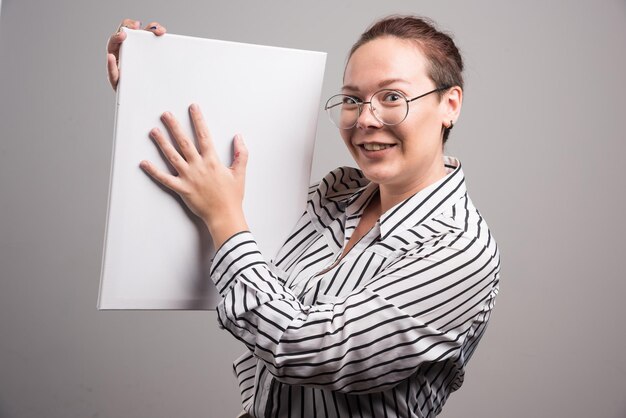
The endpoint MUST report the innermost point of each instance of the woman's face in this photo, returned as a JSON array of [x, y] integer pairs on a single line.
[[411, 152]]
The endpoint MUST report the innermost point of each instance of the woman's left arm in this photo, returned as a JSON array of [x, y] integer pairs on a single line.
[[211, 190], [431, 305]]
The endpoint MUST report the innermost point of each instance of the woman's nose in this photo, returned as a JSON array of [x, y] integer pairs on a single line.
[[367, 119]]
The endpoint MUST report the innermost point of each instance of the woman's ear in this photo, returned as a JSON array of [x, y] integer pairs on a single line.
[[451, 106]]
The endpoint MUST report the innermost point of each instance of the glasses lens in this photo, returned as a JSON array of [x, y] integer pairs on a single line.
[[343, 111], [390, 106]]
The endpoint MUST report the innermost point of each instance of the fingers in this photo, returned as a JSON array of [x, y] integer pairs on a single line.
[[113, 46], [112, 70], [187, 148], [240, 160], [119, 36], [113, 50], [115, 41], [168, 150], [171, 182], [206, 186], [130, 24], [156, 28], [205, 142]]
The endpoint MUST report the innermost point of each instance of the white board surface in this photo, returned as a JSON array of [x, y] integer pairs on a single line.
[[156, 253]]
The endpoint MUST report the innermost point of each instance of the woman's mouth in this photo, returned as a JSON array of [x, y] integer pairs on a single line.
[[375, 151], [376, 147]]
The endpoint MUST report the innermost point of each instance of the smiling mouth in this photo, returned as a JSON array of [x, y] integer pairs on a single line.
[[376, 147]]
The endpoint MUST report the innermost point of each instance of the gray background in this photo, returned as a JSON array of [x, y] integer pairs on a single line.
[[540, 137]]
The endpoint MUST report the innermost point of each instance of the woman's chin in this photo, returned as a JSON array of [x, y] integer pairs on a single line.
[[379, 176]]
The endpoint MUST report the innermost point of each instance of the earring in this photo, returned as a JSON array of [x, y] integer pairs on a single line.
[[451, 125]]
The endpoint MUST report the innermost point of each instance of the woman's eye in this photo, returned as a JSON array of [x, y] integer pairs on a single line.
[[392, 97]]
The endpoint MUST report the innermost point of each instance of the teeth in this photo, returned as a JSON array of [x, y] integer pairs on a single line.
[[376, 147]]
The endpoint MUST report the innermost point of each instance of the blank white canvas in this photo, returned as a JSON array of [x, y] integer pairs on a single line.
[[157, 254]]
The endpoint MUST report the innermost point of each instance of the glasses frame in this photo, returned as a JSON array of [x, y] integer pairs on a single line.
[[360, 104]]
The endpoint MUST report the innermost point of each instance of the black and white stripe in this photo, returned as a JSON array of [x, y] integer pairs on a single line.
[[388, 330]]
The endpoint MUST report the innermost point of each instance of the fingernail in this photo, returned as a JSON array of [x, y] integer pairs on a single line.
[[153, 27], [194, 107], [166, 115]]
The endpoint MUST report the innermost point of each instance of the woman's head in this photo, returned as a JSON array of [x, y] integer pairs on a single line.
[[445, 64], [389, 73]]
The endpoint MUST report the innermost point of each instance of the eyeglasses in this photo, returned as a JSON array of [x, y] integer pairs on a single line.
[[389, 107]]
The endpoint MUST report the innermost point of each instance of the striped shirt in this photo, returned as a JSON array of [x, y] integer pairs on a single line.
[[386, 331]]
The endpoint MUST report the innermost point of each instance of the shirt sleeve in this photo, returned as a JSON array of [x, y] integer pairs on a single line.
[[371, 339]]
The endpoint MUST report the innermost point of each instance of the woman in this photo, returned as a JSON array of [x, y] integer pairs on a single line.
[[379, 297]]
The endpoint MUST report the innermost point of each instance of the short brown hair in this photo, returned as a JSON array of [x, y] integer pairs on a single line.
[[445, 62]]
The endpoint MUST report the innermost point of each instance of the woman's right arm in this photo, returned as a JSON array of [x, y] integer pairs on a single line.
[[115, 41]]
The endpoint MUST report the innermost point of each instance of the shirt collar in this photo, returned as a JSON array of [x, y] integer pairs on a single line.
[[335, 192], [349, 190], [427, 203]]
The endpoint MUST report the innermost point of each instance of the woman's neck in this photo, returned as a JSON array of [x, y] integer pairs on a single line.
[[392, 194]]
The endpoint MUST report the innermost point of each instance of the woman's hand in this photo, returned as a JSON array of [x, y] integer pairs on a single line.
[[211, 190], [113, 46]]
